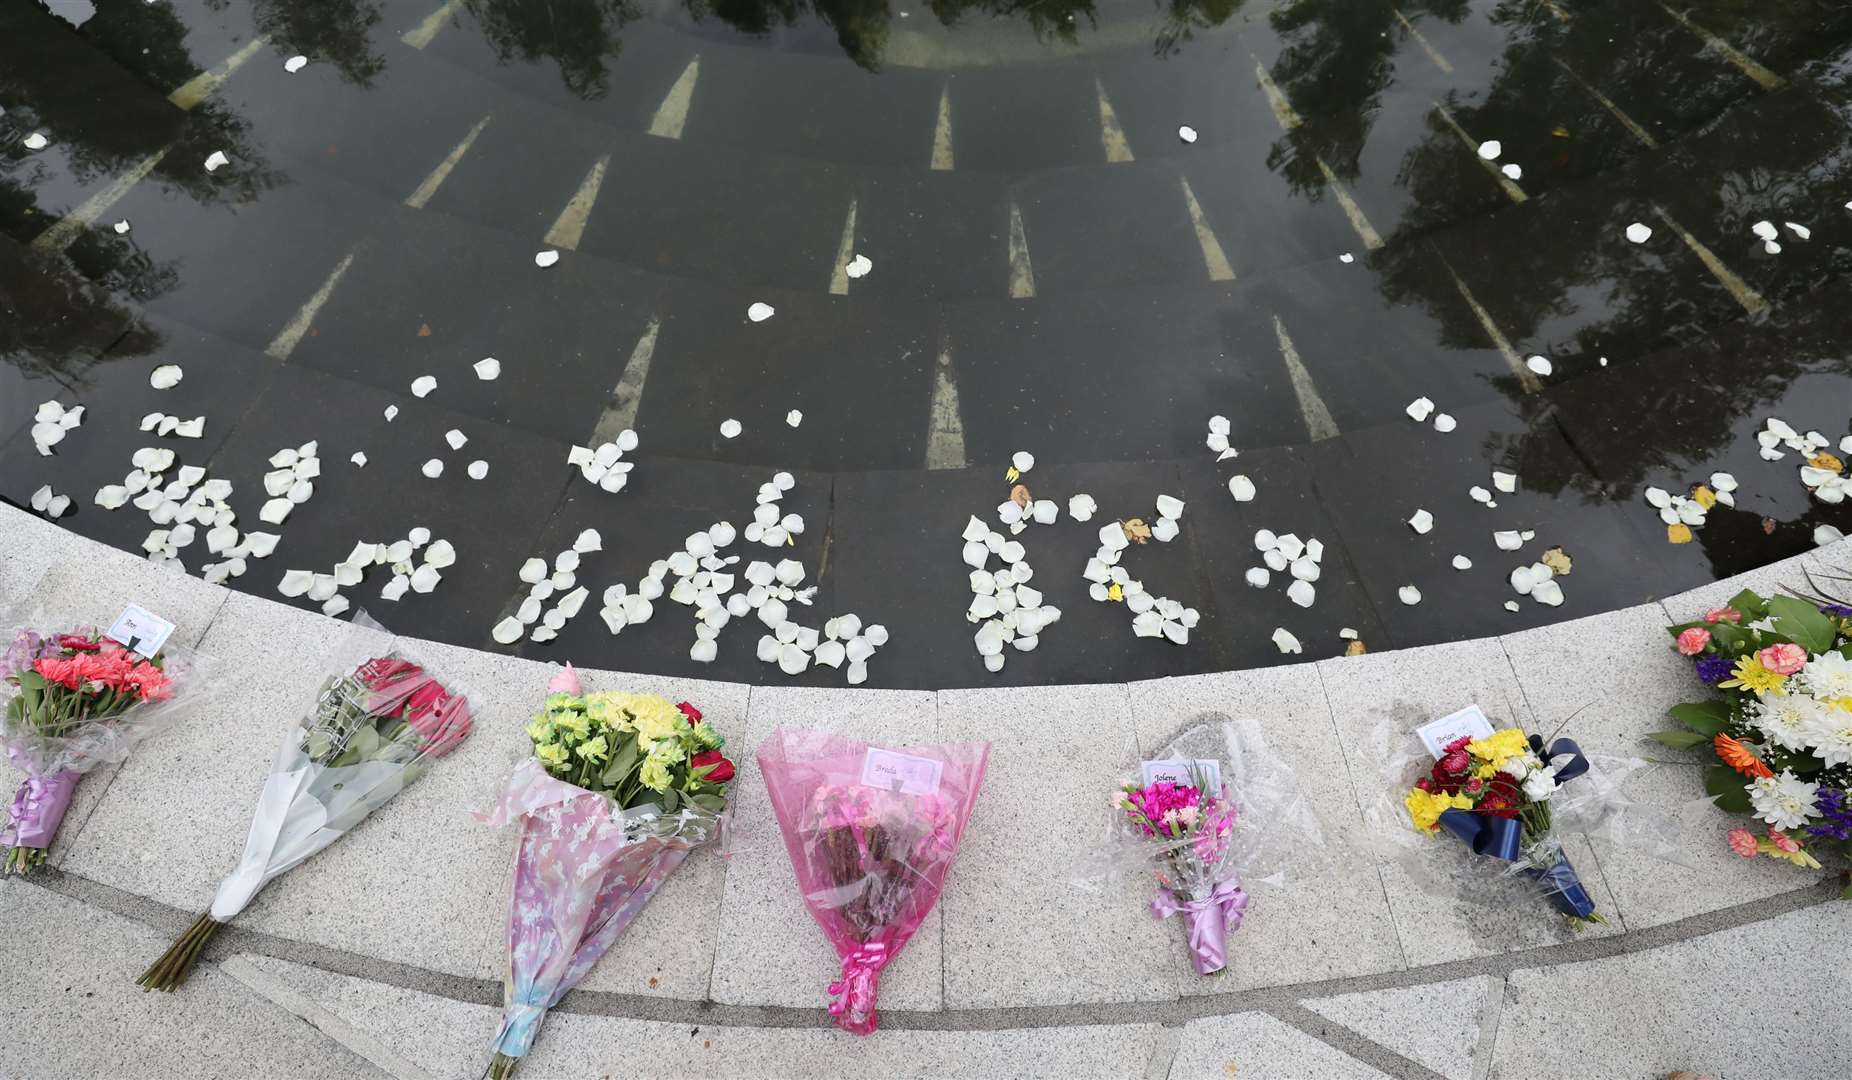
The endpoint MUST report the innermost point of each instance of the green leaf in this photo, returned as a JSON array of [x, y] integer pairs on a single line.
[[1750, 604], [1802, 623], [1847, 894], [1680, 739], [623, 763], [711, 803], [669, 801], [1802, 764], [1731, 639], [1705, 717], [1726, 789]]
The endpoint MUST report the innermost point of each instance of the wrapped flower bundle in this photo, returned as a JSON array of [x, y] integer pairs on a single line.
[[369, 734], [1782, 730], [1494, 794], [1214, 809], [79, 701], [872, 833], [620, 789]]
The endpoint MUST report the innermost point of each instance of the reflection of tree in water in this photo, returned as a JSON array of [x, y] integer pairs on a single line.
[[329, 31], [578, 35]]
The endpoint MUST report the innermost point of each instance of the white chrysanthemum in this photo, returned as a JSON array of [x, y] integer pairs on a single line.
[[1827, 676], [1829, 733], [1540, 785], [1783, 801], [1787, 719]]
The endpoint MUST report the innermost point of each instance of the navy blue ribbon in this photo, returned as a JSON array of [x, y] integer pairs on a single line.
[[1501, 838]]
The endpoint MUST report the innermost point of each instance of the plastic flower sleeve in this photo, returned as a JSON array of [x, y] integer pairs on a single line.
[[872, 833], [583, 873], [73, 701], [374, 726], [1221, 841]]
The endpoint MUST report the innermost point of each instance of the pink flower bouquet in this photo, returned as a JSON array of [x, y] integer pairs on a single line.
[[79, 701], [872, 832]]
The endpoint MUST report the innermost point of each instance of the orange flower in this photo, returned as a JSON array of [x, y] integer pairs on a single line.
[[1740, 757]]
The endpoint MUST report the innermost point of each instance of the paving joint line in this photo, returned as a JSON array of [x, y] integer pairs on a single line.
[[1351, 1043]]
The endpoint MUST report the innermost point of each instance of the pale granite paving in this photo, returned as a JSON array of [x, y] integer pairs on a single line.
[[383, 955]]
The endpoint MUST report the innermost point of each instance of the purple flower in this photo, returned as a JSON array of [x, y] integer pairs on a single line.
[[1713, 669], [1832, 806], [27, 646], [1837, 611]]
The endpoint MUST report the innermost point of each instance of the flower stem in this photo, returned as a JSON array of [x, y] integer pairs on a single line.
[[500, 1067], [172, 968]]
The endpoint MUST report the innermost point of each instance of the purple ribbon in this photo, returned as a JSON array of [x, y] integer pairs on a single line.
[[38, 806], [852, 997], [1209, 921]]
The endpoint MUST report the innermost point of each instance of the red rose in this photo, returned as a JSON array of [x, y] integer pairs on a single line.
[[693, 714], [722, 771], [78, 643], [384, 669]]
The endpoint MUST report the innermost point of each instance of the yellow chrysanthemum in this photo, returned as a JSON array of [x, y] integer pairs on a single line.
[[538, 727], [1424, 807], [1750, 675], [1486, 771], [571, 720], [607, 709], [593, 749], [1499, 746], [654, 775], [550, 753]]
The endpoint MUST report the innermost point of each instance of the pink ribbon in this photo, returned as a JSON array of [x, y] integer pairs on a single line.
[[852, 997], [1209, 921], [38, 806]]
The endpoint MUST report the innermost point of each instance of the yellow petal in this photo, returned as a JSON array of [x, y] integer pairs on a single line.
[[1114, 592], [1704, 496], [1011, 476], [1678, 533]]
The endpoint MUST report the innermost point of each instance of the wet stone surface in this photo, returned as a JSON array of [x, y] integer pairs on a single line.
[[1053, 270]]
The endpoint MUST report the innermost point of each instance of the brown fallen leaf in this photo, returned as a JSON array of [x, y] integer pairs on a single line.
[[1355, 648], [1558, 560], [1678, 533], [1136, 530], [1020, 496], [1769, 525], [424, 329]]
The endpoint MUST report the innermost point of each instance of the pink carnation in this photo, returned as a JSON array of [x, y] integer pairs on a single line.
[[1693, 641], [1783, 659], [1723, 614], [1783, 841], [1743, 842]]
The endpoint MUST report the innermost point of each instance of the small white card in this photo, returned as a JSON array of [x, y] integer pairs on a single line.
[[902, 773], [1184, 772], [141, 631], [1436, 734]]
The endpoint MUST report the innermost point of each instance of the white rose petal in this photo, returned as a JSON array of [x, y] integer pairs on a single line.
[[478, 469], [121, 227], [1548, 593], [1302, 593], [1081, 507], [760, 311], [1504, 481], [730, 429], [1023, 461], [1490, 149], [1420, 409], [1513, 171], [1444, 423], [1421, 522], [433, 468], [488, 369], [455, 438], [295, 64], [392, 412], [1409, 595], [36, 141], [165, 377], [1639, 232], [421, 386], [1539, 364], [794, 417], [1186, 133], [215, 160], [1286, 642], [1508, 540], [859, 266], [1461, 562], [295, 582], [544, 259]]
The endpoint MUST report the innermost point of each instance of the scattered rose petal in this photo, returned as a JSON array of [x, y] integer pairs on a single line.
[[1081, 507], [1511, 605], [1508, 540], [1258, 577], [859, 266], [455, 438], [392, 413], [1186, 133], [1461, 562], [1490, 149], [1799, 230], [478, 469], [1765, 229], [1241, 488], [421, 386], [1639, 232], [544, 259], [1444, 422], [295, 64], [36, 141], [165, 377], [1409, 595], [433, 468], [1421, 522], [359, 459], [1022, 461], [1347, 257], [760, 311], [1286, 642], [121, 227], [488, 369], [730, 429], [1420, 409], [1827, 534], [1513, 171], [1539, 364], [295, 583], [794, 418], [216, 159], [1504, 481]]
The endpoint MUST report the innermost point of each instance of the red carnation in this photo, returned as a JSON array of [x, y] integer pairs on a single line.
[[78, 643], [1446, 781], [1425, 784], [693, 714], [722, 768], [1502, 798], [1457, 745]]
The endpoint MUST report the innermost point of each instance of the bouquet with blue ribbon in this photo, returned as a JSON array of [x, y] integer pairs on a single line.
[[1494, 794]]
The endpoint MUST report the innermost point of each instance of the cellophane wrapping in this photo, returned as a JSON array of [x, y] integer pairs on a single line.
[[75, 701], [1594, 803], [1251, 835], [584, 871], [870, 860]]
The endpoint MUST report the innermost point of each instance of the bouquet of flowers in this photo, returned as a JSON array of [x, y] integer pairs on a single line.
[[368, 735], [872, 832], [79, 701], [1215, 808], [621, 787], [1782, 729], [1494, 793]]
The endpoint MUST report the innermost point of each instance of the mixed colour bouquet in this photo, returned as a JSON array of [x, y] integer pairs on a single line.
[[370, 733], [78, 701], [1494, 793], [872, 833], [1781, 730], [619, 790], [1216, 808]]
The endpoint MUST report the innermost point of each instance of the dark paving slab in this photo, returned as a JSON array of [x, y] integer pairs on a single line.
[[1118, 374], [1661, 74], [488, 521], [430, 296], [933, 234], [1095, 226], [666, 500], [1366, 482], [520, 172], [860, 371], [165, 44], [1021, 119]]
